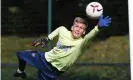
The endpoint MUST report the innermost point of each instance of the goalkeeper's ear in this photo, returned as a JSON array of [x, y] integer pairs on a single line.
[[84, 32], [72, 28]]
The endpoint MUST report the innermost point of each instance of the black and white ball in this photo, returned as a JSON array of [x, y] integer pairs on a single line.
[[94, 10]]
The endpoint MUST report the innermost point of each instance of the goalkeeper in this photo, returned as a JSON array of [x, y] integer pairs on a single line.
[[68, 48]]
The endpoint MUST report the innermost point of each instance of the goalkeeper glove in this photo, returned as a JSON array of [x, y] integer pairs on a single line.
[[43, 42], [104, 22]]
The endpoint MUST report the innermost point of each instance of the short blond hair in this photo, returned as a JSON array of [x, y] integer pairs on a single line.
[[80, 20]]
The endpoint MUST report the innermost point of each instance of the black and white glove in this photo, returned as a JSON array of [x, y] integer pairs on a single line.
[[43, 42]]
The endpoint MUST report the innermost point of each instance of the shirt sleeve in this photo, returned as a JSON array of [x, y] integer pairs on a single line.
[[89, 37], [55, 33]]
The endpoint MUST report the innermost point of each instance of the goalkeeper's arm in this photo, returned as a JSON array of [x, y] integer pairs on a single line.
[[44, 41]]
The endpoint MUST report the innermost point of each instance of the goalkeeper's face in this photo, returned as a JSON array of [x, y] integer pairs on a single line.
[[78, 29]]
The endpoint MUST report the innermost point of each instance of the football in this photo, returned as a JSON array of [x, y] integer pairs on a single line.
[[94, 10]]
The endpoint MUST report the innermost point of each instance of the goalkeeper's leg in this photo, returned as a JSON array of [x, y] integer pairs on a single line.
[[21, 69], [22, 65], [23, 57], [20, 72], [37, 59]]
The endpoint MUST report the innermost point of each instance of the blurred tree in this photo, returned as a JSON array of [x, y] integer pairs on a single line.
[[34, 15]]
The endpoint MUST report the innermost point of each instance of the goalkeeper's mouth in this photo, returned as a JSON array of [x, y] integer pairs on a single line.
[[76, 33]]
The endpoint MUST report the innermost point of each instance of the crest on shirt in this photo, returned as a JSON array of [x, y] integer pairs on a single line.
[[33, 54], [60, 46]]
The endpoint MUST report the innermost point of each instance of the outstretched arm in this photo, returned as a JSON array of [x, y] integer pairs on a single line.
[[90, 35], [44, 41], [102, 23]]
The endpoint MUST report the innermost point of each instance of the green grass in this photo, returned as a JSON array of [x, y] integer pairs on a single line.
[[75, 73], [114, 49], [111, 50], [99, 73], [11, 44], [7, 73]]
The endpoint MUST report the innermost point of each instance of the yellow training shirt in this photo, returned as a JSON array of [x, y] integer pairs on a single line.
[[67, 49]]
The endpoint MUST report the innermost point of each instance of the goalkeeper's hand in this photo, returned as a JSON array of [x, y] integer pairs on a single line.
[[43, 42], [104, 22]]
